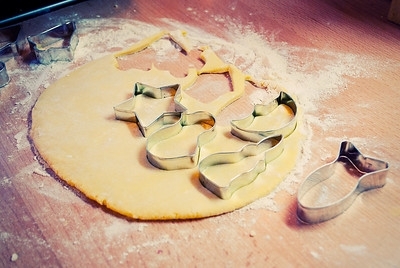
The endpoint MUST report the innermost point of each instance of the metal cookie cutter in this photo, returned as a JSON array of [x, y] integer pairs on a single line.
[[4, 78], [242, 127], [55, 44], [202, 118], [270, 147], [369, 172], [8, 42], [126, 110]]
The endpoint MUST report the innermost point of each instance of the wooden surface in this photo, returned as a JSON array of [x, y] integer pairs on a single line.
[[49, 224]]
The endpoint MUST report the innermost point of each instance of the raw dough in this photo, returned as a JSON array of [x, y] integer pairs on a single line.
[[75, 132]]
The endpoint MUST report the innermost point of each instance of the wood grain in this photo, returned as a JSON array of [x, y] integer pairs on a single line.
[[49, 224]]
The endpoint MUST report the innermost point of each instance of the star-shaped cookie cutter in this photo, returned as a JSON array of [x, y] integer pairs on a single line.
[[369, 172], [242, 127], [270, 147], [126, 110], [55, 44], [160, 160]]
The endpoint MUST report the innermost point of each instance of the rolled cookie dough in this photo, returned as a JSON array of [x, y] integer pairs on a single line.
[[75, 132]]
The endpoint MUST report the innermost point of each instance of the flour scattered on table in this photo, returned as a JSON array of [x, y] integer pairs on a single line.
[[14, 257]]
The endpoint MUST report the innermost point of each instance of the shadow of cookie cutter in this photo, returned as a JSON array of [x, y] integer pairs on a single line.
[[55, 44], [205, 119], [271, 147], [240, 127], [126, 110], [371, 174]]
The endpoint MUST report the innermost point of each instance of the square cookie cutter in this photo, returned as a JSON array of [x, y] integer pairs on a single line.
[[369, 172], [55, 44]]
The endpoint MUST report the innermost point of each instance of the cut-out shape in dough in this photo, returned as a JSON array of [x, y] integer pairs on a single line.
[[214, 65]]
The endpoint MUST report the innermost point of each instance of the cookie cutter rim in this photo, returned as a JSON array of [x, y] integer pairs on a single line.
[[9, 48], [129, 114], [239, 126], [63, 53], [184, 161], [374, 176], [244, 178]]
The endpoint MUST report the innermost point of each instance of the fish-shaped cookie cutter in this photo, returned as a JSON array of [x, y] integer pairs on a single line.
[[126, 110], [207, 122], [369, 172], [241, 127], [55, 44], [270, 147]]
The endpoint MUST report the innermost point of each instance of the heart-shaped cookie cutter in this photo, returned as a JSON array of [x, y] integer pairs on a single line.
[[126, 110], [241, 127], [270, 147], [55, 44], [369, 172], [202, 118]]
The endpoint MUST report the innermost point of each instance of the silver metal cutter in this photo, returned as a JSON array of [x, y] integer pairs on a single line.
[[370, 173]]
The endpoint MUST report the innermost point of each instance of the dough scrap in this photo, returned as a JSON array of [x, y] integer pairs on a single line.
[[75, 132]]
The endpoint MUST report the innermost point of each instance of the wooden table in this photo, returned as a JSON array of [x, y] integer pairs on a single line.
[[46, 223]]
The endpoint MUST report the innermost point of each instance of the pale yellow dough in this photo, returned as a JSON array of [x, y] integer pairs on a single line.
[[75, 132]]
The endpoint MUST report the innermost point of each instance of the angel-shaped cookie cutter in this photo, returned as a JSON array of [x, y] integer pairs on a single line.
[[270, 147], [126, 110], [55, 44], [369, 172], [159, 160], [242, 127]]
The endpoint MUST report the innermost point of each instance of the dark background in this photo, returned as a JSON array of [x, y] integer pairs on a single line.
[[18, 10]]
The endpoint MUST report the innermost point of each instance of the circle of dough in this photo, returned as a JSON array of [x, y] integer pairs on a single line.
[[75, 132]]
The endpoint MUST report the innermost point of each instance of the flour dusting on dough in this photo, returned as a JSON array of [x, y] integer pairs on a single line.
[[255, 54]]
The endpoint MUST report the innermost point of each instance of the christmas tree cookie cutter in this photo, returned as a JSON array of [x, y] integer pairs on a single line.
[[126, 110], [370, 173], [269, 147], [185, 161], [55, 44], [242, 127]]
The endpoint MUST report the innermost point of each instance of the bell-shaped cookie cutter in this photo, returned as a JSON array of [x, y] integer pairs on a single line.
[[271, 147], [371, 174], [240, 127], [205, 119], [55, 44], [126, 110]]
